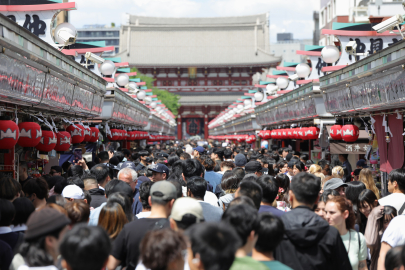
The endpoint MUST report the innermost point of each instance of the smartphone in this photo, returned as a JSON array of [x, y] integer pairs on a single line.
[[77, 155]]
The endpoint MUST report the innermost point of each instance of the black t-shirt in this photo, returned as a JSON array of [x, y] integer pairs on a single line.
[[126, 245]]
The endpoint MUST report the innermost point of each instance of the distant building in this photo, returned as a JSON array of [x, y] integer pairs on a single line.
[[315, 38], [287, 46], [111, 36], [209, 62], [284, 36]]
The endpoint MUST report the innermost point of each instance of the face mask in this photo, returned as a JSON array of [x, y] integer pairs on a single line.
[[125, 159]]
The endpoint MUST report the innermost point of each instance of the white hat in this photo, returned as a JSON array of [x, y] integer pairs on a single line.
[[186, 205], [73, 192]]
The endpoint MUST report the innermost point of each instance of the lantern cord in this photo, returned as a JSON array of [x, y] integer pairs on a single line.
[[54, 126], [16, 116], [365, 124], [387, 128]]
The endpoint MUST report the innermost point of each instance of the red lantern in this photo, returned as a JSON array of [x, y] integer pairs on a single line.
[[9, 133], [251, 139], [284, 133], [267, 134], [87, 134], [290, 134], [273, 134], [47, 142], [261, 134], [124, 135], [350, 133], [63, 141], [30, 134], [76, 132], [336, 132], [115, 135], [295, 133], [312, 133], [94, 134], [301, 133]]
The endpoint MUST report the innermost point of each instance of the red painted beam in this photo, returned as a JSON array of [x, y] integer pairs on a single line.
[[22, 8], [129, 74], [124, 64], [92, 50], [286, 68], [356, 33], [276, 76], [332, 68], [283, 92], [309, 53], [307, 81], [111, 80]]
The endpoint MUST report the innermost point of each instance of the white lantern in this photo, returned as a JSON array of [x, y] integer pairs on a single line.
[[240, 107], [133, 85], [122, 79], [158, 108], [247, 102], [282, 82], [235, 110], [148, 100], [107, 68], [302, 70], [141, 95], [259, 96], [271, 89], [153, 105], [330, 54], [65, 34]]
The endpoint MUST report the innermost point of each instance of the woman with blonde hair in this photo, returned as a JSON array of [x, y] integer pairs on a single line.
[[314, 168], [338, 172], [366, 177]]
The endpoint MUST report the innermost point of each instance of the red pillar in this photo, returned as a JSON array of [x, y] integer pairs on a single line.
[[206, 132], [179, 131]]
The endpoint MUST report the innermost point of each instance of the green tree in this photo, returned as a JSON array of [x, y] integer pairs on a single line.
[[171, 101]]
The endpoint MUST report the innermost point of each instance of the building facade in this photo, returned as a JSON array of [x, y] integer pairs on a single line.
[[92, 33], [287, 46], [209, 62]]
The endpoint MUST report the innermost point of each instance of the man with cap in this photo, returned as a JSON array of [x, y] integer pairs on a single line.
[[240, 160], [361, 164], [160, 172], [73, 192], [142, 156], [255, 168], [198, 151], [185, 212], [126, 246], [46, 226], [335, 184]]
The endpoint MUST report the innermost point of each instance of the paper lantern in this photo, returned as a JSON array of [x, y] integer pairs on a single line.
[[261, 134], [312, 133], [336, 132], [76, 132], [94, 134], [330, 54], [282, 82], [350, 133], [48, 141], [301, 133], [115, 135], [295, 134], [284, 134], [303, 70], [267, 134], [251, 139], [273, 134], [30, 134], [63, 141], [279, 134], [87, 134], [9, 133], [290, 134], [124, 135], [107, 68]]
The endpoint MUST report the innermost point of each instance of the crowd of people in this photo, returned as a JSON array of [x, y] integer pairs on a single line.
[[213, 207]]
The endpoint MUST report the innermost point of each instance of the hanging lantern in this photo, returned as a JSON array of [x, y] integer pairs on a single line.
[[261, 134], [30, 134], [124, 135], [94, 134], [251, 139], [284, 134], [290, 134], [303, 70], [48, 141], [279, 134], [267, 134], [76, 132], [87, 133], [295, 133], [273, 133], [336, 132], [282, 82], [115, 135], [63, 141], [9, 133], [312, 133], [301, 133], [350, 133], [330, 54]]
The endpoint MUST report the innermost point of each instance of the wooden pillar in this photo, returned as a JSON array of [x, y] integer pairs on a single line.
[[206, 132], [179, 130]]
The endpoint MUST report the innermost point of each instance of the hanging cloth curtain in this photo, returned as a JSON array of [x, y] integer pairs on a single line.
[[396, 146], [382, 144]]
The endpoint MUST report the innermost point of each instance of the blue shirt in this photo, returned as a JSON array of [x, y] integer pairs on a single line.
[[271, 210], [94, 214], [213, 178]]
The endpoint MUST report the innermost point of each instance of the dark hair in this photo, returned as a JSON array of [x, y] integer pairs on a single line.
[[38, 186], [86, 248], [270, 233], [176, 183], [269, 187], [399, 176], [239, 172], [304, 157], [344, 155], [110, 186], [192, 167], [143, 153], [389, 213], [305, 187], [344, 204], [228, 164], [325, 195], [119, 155], [197, 186], [57, 199], [208, 164], [112, 218], [367, 196], [66, 165], [243, 218], [57, 169], [23, 209], [177, 168], [300, 166], [227, 153], [171, 160], [161, 247], [76, 180], [8, 188], [230, 181], [275, 157], [393, 258], [144, 193], [252, 190], [75, 170], [245, 200], [7, 212], [323, 163], [353, 191], [53, 180], [219, 151], [103, 156], [281, 164], [101, 172], [185, 156], [215, 243], [283, 181], [78, 211], [125, 203]]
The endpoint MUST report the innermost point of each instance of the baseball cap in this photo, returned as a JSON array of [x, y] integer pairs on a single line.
[[240, 160], [334, 183], [362, 163], [73, 192], [163, 155], [159, 168], [186, 205], [254, 166], [127, 164], [44, 221], [200, 149], [163, 191]]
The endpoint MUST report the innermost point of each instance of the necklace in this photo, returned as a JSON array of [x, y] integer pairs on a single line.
[[350, 240]]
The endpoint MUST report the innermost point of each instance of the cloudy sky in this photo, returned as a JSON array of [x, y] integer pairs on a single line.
[[285, 15]]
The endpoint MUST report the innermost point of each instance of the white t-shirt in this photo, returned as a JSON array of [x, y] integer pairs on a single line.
[[357, 253], [143, 215], [395, 200], [211, 198], [394, 235]]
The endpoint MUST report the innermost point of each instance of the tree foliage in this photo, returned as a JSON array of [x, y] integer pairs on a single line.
[[170, 100]]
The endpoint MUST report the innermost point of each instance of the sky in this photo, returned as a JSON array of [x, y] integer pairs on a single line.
[[290, 16]]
